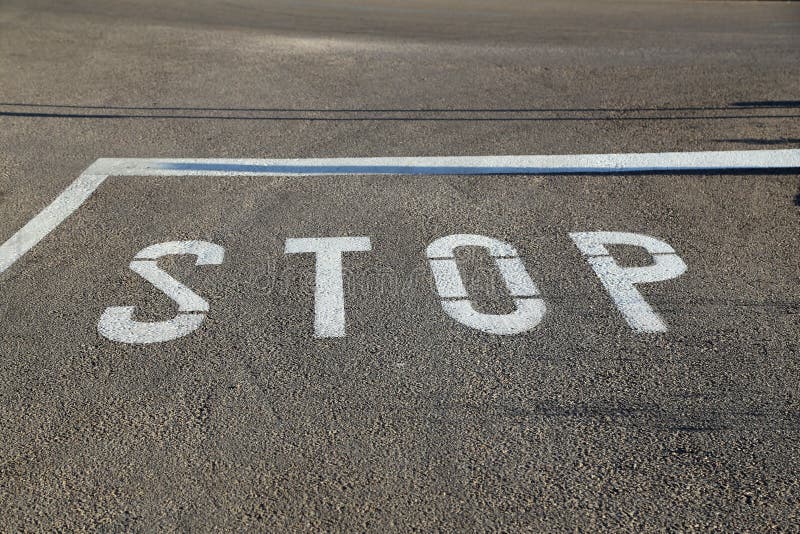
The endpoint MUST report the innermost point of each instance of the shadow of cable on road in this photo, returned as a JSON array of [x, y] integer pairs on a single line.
[[667, 113], [777, 104], [762, 142], [737, 110], [782, 104]]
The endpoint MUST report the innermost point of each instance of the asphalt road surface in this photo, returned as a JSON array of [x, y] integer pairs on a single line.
[[337, 385]]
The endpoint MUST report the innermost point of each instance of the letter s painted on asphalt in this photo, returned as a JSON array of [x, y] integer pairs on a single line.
[[117, 323]]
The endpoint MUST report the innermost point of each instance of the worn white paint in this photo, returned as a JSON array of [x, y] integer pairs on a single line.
[[455, 301], [77, 193], [37, 228], [456, 165], [205, 253], [329, 314], [620, 281], [528, 314], [117, 323], [443, 247]]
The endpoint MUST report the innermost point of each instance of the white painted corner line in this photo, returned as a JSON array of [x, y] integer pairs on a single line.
[[82, 188]]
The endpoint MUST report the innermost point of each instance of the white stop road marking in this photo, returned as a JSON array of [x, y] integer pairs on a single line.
[[117, 323]]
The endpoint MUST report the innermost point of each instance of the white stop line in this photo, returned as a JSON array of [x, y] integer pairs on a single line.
[[82, 188]]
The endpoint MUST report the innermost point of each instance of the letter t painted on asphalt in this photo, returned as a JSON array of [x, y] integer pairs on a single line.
[[329, 316]]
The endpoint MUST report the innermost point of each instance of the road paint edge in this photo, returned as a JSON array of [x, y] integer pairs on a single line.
[[82, 188], [46, 221]]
